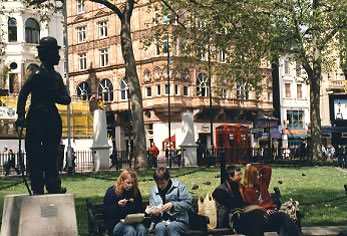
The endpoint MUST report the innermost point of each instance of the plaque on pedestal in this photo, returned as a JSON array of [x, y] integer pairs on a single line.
[[39, 215]]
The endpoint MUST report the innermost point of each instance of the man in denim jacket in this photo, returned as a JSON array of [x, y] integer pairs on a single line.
[[169, 202]]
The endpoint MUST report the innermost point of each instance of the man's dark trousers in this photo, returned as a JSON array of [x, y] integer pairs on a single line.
[[42, 138]]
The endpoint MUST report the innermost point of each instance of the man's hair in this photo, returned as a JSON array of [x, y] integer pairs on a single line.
[[161, 173], [230, 171]]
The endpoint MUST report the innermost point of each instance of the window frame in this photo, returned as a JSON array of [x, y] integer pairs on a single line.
[[79, 6], [106, 89], [102, 28], [32, 34], [202, 85], [82, 61], [81, 34], [12, 29], [103, 57]]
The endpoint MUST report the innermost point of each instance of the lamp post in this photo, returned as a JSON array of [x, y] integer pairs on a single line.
[[69, 149], [167, 48], [129, 129], [210, 98]]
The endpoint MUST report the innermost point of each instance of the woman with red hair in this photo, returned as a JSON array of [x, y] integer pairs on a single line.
[[256, 191], [120, 200]]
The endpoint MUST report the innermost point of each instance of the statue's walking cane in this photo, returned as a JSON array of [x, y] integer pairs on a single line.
[[21, 158]]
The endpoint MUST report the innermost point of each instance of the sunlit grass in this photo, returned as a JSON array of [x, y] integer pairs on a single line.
[[308, 185]]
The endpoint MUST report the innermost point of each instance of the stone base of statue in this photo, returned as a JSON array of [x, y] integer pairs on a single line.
[[101, 160], [189, 155], [39, 215]]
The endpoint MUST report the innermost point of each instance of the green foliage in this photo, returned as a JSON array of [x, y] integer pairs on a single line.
[[317, 186], [4, 70]]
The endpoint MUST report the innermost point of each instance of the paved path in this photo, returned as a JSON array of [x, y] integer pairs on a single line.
[[317, 230]]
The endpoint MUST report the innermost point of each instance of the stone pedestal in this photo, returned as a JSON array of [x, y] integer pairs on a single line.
[[100, 147], [190, 155], [39, 215], [188, 145]]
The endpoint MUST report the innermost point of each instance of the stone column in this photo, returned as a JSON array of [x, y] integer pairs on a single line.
[[188, 145], [100, 147]]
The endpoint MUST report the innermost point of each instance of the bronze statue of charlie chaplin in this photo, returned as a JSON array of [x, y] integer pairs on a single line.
[[43, 122]]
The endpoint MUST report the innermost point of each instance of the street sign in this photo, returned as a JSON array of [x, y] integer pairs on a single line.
[[257, 130]]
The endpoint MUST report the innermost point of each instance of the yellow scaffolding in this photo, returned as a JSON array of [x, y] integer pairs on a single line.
[[81, 117]]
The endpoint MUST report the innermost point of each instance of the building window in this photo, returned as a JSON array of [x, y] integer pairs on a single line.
[[83, 91], [157, 47], [224, 93], [298, 69], [287, 90], [222, 56], [286, 68], [149, 129], [177, 92], [158, 90], [103, 29], [175, 51], [82, 61], [80, 6], [299, 91], [105, 90], [155, 18], [149, 92], [296, 119], [124, 91], [167, 89], [185, 90], [81, 34], [242, 90], [203, 54], [12, 30], [32, 31], [202, 88], [103, 57]]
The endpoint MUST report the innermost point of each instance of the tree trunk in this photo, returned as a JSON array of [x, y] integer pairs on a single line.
[[316, 139], [138, 130]]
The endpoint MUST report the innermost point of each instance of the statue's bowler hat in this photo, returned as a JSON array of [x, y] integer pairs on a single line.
[[49, 43]]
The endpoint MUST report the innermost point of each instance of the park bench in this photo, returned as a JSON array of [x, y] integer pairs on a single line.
[[96, 226]]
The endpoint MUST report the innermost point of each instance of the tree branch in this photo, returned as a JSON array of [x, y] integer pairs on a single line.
[[110, 6], [173, 10]]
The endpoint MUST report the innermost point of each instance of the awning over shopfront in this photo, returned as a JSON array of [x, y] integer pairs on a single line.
[[275, 133], [333, 129], [166, 142], [295, 133]]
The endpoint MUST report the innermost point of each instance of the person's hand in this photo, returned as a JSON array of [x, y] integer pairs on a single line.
[[270, 212], [155, 211], [122, 202], [167, 207]]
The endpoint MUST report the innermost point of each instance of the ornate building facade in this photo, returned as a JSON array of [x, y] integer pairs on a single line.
[[20, 32], [97, 67]]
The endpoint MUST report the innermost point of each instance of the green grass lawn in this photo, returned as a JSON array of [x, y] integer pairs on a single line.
[[312, 190]]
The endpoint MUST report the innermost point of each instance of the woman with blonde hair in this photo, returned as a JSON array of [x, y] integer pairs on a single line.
[[121, 199], [256, 191]]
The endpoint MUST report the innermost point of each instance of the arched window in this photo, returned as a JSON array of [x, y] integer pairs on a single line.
[[12, 30], [105, 90], [124, 89], [83, 91], [32, 31], [202, 88]]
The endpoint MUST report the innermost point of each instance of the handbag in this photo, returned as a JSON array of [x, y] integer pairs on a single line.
[[290, 208], [208, 208]]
